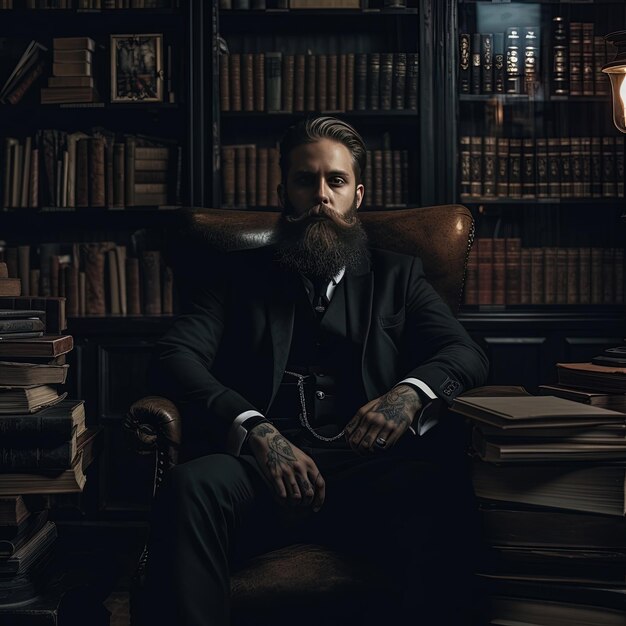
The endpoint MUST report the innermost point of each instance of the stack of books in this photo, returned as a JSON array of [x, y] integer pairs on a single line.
[[550, 476], [72, 76], [45, 446]]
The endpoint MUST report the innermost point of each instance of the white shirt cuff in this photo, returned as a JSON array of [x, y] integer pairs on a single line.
[[429, 414], [237, 434]]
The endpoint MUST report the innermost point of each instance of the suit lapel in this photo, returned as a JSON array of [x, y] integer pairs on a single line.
[[280, 312], [359, 298]]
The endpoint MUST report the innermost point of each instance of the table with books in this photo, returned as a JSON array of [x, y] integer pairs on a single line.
[[46, 448], [549, 472]]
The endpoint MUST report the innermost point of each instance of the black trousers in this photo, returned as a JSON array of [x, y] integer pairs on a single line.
[[394, 509]]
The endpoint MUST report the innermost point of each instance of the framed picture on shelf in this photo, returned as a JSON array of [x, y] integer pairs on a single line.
[[137, 68]]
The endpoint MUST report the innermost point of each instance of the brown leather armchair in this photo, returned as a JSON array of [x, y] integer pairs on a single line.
[[442, 236]]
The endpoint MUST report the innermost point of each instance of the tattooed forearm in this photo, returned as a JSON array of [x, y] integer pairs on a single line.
[[280, 452], [262, 430]]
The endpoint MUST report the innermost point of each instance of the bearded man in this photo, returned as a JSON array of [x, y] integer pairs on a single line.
[[317, 367]]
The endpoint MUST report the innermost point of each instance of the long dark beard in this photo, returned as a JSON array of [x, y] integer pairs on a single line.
[[321, 242]]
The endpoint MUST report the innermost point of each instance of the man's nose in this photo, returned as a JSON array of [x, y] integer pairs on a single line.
[[321, 192]]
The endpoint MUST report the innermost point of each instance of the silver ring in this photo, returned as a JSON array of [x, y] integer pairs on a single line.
[[381, 442]]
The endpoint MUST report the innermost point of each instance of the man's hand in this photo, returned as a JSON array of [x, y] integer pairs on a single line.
[[294, 475], [386, 417]]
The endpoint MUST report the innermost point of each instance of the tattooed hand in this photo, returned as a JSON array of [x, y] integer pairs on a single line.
[[388, 416], [292, 473]]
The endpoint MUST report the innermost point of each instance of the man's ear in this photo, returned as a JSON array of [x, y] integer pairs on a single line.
[[280, 190], [360, 192]]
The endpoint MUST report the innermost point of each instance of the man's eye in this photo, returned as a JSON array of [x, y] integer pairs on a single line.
[[337, 180]]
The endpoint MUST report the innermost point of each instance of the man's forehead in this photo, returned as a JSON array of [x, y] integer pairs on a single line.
[[325, 153]]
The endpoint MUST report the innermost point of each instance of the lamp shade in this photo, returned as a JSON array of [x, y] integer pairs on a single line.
[[616, 70]]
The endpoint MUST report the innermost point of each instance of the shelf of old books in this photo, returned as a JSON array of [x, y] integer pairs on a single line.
[[539, 160]]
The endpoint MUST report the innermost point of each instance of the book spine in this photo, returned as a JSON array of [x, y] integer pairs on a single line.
[[575, 59], [502, 182], [247, 82], [528, 168], [541, 164], [133, 292], [576, 167], [476, 169], [399, 81], [299, 83], [499, 270], [476, 63], [360, 81], [596, 275], [234, 64], [531, 60], [566, 167], [21, 459], [96, 172], [224, 81], [273, 67], [228, 176], [608, 286], [560, 58], [464, 63], [32, 426], [513, 61], [288, 83], [584, 275], [412, 80], [262, 176], [596, 167], [485, 271], [464, 167], [310, 67], [573, 265], [513, 248], [151, 271], [373, 81], [386, 80], [486, 49], [587, 59], [342, 83], [515, 168], [489, 167], [251, 176], [259, 81], [608, 167], [321, 94], [525, 275], [536, 276], [499, 63], [331, 82]]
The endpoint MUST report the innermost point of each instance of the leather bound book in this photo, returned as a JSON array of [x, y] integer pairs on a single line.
[[133, 292], [273, 82], [502, 169], [120, 253], [412, 80], [310, 81], [588, 69], [584, 275], [299, 82], [36, 347], [321, 95], [608, 279], [489, 167], [525, 275], [514, 61], [96, 172], [108, 174], [399, 81], [71, 290], [619, 165], [373, 81], [561, 276], [288, 82], [528, 168], [554, 167], [247, 82], [240, 176], [224, 71], [566, 168], [228, 176], [515, 168], [82, 172], [575, 59], [560, 57], [273, 171], [234, 62], [397, 177], [360, 82], [23, 268], [596, 275], [531, 59], [386, 80], [485, 270], [476, 166], [513, 270], [464, 63], [331, 82], [585, 155], [33, 197], [129, 171], [499, 63], [377, 176], [151, 282], [251, 169], [573, 279], [541, 165], [602, 85], [609, 189], [618, 275], [10, 287], [576, 167], [499, 270], [94, 256], [112, 283], [536, 277], [476, 63], [350, 81], [596, 167], [550, 278], [471, 277], [342, 83], [262, 176], [259, 81], [118, 175], [464, 167], [486, 54], [167, 306]]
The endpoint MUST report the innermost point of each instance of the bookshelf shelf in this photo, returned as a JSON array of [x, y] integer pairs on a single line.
[[307, 13], [525, 98], [526, 201]]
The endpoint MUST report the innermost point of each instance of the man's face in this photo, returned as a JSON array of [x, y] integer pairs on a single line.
[[320, 231], [320, 174]]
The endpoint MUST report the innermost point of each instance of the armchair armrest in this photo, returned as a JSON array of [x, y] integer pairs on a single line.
[[153, 424]]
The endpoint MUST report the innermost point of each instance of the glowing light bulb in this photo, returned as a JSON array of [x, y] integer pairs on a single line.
[[622, 95]]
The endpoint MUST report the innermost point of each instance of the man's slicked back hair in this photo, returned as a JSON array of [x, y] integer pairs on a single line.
[[324, 127]]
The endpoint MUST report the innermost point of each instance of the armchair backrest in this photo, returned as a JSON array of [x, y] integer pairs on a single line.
[[441, 236]]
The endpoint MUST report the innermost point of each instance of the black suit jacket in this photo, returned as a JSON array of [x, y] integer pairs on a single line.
[[228, 353]]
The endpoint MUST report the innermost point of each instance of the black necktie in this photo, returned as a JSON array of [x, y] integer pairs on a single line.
[[320, 301]]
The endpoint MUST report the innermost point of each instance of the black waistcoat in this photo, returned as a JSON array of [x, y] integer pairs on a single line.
[[321, 350]]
